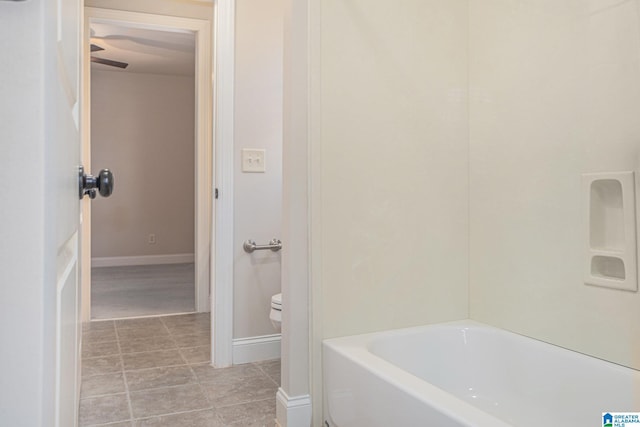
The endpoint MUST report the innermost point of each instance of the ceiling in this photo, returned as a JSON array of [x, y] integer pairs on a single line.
[[146, 51]]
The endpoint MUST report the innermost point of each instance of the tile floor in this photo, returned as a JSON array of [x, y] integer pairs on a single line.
[[155, 372]]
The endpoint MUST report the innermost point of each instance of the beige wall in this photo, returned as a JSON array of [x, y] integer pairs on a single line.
[[394, 165], [554, 93], [142, 128], [257, 196]]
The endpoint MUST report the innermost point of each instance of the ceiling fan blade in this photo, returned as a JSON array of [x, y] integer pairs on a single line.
[[184, 44], [109, 62], [96, 48]]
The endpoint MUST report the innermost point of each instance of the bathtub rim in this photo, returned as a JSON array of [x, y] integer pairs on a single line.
[[357, 349]]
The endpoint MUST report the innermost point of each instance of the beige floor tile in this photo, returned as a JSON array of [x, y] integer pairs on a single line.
[[123, 424], [160, 377], [207, 373], [105, 409], [103, 325], [172, 322], [271, 368], [101, 365], [145, 332], [191, 330], [152, 359], [162, 401], [252, 414], [194, 355], [102, 384], [205, 418], [235, 390], [164, 373], [96, 336], [146, 344], [100, 349], [145, 322], [196, 340]]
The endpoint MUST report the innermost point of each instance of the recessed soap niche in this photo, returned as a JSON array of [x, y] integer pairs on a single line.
[[610, 230]]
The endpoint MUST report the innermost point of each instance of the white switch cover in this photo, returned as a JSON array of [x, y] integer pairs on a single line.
[[253, 160]]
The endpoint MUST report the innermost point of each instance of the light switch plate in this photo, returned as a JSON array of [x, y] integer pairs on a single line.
[[253, 160]]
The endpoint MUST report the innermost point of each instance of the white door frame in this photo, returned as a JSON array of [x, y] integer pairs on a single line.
[[222, 255], [203, 147]]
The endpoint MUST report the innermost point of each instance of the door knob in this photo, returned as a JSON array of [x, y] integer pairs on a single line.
[[89, 183]]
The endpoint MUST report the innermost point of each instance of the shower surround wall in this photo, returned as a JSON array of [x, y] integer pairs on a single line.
[[425, 211], [554, 94], [394, 164]]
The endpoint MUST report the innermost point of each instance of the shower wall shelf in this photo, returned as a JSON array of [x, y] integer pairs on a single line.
[[610, 230]]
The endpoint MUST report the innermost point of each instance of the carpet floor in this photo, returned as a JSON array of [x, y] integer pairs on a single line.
[[142, 290]]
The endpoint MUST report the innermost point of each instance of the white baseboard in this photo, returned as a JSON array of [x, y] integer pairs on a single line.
[[255, 349], [293, 411], [117, 261]]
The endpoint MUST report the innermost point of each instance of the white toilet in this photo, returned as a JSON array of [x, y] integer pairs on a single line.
[[276, 311]]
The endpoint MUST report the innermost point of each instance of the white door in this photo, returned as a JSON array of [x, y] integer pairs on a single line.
[[40, 214], [63, 106]]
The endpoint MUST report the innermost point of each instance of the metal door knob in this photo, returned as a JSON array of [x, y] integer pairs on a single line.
[[89, 183]]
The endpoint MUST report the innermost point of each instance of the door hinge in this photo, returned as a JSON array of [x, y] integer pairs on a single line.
[[216, 193]]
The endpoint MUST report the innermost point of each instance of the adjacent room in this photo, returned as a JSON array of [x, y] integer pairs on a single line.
[[142, 129]]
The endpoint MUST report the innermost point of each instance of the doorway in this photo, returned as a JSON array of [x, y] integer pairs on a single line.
[[142, 129], [151, 246]]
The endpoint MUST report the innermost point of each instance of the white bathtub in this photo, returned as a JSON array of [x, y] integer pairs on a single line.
[[468, 374]]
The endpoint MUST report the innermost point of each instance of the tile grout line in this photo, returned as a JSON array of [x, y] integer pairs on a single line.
[[265, 373], [212, 407], [149, 389], [146, 351], [134, 370], [142, 352], [157, 367], [204, 393], [172, 413], [197, 382], [108, 424], [122, 355], [176, 344], [124, 376], [83, 377], [216, 408], [216, 413], [244, 402], [104, 395]]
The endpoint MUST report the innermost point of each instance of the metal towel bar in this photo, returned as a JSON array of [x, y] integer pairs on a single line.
[[249, 246]]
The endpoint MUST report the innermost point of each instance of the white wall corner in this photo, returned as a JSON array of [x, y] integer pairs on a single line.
[[256, 349], [293, 411]]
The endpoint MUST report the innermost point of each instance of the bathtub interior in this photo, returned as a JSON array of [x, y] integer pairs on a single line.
[[519, 380]]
